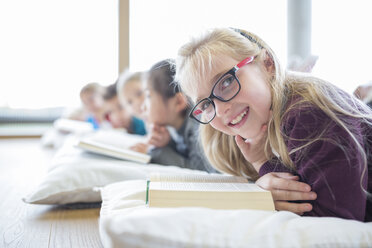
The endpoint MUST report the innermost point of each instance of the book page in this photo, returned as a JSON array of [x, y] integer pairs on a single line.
[[114, 144], [119, 139], [72, 126], [215, 178], [189, 186], [112, 151]]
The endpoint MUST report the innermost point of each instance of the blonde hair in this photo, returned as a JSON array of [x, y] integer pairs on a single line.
[[125, 78], [92, 88], [195, 60]]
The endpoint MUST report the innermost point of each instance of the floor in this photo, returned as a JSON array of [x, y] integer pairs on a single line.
[[23, 163]]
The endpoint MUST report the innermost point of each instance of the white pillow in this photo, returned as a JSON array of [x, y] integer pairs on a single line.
[[125, 221], [73, 174]]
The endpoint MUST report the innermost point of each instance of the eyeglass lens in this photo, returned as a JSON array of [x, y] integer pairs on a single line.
[[225, 89]]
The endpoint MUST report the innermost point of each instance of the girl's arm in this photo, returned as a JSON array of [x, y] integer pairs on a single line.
[[331, 164], [284, 187]]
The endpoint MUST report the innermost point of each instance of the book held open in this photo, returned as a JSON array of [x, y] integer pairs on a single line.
[[211, 191], [114, 144]]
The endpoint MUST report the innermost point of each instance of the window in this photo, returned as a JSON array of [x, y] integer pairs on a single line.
[[159, 28], [343, 41], [50, 49]]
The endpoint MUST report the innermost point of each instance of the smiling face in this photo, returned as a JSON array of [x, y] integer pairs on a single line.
[[249, 110]]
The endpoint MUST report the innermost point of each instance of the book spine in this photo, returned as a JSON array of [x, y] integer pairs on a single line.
[[147, 192]]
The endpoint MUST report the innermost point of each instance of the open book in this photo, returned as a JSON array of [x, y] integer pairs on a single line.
[[114, 144], [211, 191], [72, 126]]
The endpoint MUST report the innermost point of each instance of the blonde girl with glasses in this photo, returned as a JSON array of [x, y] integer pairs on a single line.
[[298, 136]]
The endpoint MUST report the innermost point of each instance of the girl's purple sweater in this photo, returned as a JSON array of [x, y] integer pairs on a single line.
[[332, 165]]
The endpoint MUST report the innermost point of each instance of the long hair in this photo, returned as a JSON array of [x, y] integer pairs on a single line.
[[195, 60]]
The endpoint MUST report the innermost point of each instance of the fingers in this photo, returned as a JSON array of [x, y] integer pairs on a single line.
[[259, 137], [158, 128], [285, 184], [298, 208], [293, 185], [286, 175], [163, 129], [154, 141], [255, 140], [155, 137], [140, 147], [244, 148], [285, 195], [159, 136], [252, 152], [285, 187], [241, 144]]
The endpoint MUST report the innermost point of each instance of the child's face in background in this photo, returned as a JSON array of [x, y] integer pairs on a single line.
[[250, 109], [156, 111], [92, 101], [134, 97], [118, 116]]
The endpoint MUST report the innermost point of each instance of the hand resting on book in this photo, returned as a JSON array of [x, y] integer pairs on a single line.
[[285, 187]]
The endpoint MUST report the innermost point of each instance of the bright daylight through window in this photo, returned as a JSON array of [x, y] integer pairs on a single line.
[[50, 49]]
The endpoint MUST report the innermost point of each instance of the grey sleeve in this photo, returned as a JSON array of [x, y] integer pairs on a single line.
[[169, 156], [192, 158], [197, 159]]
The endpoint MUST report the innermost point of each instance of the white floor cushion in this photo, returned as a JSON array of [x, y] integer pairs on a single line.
[[125, 221], [73, 174]]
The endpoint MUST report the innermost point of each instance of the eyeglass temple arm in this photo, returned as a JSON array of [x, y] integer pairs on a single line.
[[244, 62]]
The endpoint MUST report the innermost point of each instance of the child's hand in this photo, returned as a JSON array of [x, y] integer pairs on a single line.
[[285, 187], [140, 147], [253, 149], [159, 136]]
